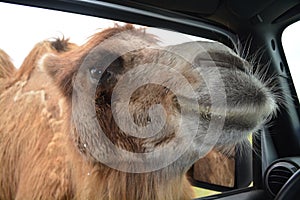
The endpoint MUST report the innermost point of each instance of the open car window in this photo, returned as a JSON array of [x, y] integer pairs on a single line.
[[217, 170], [291, 46], [36, 25]]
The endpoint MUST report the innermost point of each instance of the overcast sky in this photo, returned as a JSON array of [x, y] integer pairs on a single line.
[[22, 28], [291, 46]]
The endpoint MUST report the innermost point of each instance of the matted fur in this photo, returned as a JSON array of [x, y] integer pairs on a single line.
[[7, 68], [30, 127]]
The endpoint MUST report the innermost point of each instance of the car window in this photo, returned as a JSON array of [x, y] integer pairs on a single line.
[[291, 46], [20, 33]]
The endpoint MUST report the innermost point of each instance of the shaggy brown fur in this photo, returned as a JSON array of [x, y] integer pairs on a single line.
[[7, 68], [49, 152], [30, 138]]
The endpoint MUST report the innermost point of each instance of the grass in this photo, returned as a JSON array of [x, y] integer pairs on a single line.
[[200, 192]]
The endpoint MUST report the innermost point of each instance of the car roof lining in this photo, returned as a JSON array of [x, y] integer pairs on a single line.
[[207, 7], [243, 9], [233, 14]]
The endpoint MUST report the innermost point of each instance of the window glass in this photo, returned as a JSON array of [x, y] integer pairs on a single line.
[[291, 46]]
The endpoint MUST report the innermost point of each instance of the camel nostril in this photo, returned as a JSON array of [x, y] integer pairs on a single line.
[[108, 75]]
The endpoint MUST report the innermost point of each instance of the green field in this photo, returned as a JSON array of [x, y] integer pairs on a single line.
[[200, 192]]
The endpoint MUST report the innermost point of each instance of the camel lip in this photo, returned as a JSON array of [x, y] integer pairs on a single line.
[[228, 110], [240, 111], [240, 122], [256, 99]]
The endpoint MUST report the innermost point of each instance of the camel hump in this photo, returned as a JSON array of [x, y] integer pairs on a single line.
[[7, 69], [62, 44]]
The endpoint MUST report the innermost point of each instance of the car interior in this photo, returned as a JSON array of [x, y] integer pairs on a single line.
[[271, 169]]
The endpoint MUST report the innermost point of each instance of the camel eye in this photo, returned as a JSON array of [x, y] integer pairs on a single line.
[[95, 73]]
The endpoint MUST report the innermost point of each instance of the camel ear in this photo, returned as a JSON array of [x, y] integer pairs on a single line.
[[58, 67], [61, 70]]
